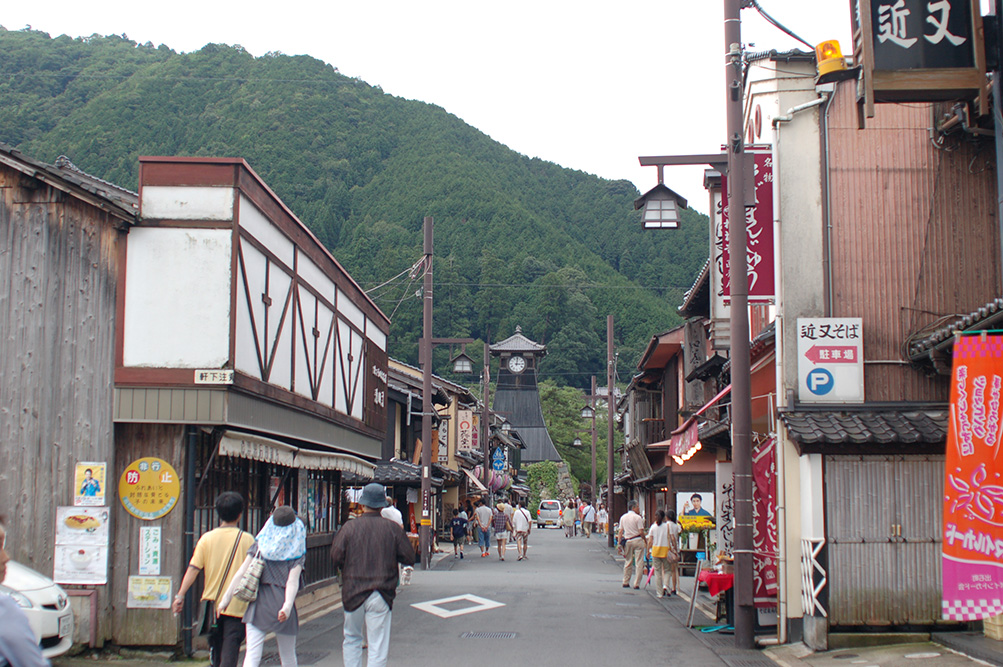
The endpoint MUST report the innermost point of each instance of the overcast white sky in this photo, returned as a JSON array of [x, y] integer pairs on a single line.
[[589, 84]]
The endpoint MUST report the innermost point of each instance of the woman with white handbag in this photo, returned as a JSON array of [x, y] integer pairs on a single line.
[[269, 579]]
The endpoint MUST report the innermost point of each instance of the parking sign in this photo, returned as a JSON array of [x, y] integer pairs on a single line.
[[830, 360]]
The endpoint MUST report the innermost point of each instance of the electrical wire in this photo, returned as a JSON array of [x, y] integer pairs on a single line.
[[777, 24]]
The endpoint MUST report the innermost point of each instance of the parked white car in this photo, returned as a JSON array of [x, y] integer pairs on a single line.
[[46, 605], [548, 514]]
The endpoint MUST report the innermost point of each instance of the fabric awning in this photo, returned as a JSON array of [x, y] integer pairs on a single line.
[[258, 448], [311, 460], [477, 483]]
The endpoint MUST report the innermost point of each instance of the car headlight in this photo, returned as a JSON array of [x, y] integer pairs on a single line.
[[62, 601], [19, 598]]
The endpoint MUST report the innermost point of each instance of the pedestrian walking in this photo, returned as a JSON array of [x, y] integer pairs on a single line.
[[522, 524], [18, 645], [673, 557], [458, 528], [502, 526], [568, 519], [483, 516], [631, 535], [602, 517], [391, 512], [367, 550], [588, 518], [658, 543], [281, 544], [218, 554]]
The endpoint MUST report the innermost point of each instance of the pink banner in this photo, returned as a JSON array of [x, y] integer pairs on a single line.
[[764, 531], [759, 227], [973, 494]]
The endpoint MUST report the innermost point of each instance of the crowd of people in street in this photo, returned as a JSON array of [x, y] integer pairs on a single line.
[[580, 517], [508, 523]]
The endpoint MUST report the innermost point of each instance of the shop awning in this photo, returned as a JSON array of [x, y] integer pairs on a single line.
[[258, 448], [476, 482]]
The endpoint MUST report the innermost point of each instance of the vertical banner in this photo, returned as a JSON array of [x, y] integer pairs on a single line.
[[973, 494], [759, 230], [465, 430], [764, 527]]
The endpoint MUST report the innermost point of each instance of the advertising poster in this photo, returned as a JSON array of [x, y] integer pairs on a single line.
[[973, 486], [89, 484], [81, 553], [149, 593], [695, 509], [149, 488]]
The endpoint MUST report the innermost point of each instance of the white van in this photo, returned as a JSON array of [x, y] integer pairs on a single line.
[[549, 513]]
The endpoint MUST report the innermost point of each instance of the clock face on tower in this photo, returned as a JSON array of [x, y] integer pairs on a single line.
[[517, 364]]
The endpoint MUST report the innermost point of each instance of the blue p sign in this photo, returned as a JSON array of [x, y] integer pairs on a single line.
[[820, 381]]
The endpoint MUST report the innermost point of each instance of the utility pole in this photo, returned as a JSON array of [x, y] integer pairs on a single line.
[[741, 381], [592, 400], [610, 541], [486, 414], [425, 352]]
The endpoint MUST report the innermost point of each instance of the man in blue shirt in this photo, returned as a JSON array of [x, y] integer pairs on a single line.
[[18, 646]]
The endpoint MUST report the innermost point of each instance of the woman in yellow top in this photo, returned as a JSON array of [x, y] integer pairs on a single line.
[[660, 541]]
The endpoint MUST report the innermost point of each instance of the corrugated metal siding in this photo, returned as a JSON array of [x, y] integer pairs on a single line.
[[914, 233], [875, 576], [58, 263], [173, 406]]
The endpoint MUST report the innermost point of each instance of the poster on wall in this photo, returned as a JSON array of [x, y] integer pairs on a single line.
[[695, 510], [149, 593], [973, 485], [149, 550], [81, 553], [89, 484]]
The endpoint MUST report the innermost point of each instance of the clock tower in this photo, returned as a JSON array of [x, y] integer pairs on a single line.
[[517, 396]]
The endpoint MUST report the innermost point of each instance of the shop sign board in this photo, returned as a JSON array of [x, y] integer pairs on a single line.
[[919, 50], [759, 233], [830, 360], [149, 488], [465, 430], [973, 489]]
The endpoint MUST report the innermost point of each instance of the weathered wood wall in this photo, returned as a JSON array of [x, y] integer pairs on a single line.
[[147, 627], [58, 268]]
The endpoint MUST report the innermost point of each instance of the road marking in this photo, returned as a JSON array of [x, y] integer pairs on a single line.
[[477, 604]]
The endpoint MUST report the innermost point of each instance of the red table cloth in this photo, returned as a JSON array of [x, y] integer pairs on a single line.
[[717, 582]]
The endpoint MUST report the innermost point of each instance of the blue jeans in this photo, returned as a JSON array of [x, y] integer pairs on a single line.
[[375, 614], [484, 539]]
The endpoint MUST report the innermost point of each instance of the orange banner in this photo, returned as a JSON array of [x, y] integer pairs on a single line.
[[973, 494]]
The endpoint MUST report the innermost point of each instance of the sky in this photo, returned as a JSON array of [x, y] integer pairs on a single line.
[[589, 85]]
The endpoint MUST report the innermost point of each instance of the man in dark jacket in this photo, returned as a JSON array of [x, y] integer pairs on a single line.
[[367, 550]]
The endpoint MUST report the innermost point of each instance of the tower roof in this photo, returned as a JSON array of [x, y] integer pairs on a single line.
[[518, 343]]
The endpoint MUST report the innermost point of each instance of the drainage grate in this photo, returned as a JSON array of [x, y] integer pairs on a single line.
[[613, 616], [489, 635]]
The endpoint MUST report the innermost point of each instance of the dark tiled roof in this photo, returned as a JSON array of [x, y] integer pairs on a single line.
[[518, 343], [920, 345], [394, 473], [696, 301], [903, 424]]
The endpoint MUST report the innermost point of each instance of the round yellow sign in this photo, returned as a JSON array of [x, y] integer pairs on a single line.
[[149, 488]]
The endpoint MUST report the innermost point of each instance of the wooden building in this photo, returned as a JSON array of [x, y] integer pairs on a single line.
[[61, 232]]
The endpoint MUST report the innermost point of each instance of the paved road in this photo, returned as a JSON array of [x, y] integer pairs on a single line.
[[564, 605]]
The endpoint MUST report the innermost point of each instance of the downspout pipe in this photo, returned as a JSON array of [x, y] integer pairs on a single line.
[[782, 559], [187, 613]]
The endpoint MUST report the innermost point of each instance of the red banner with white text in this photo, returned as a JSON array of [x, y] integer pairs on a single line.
[[764, 529], [973, 494], [759, 231]]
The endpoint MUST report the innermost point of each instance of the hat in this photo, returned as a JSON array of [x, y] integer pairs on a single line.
[[373, 496], [283, 516], [500, 506]]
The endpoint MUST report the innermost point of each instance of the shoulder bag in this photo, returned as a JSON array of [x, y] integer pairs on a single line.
[[247, 590], [210, 618]]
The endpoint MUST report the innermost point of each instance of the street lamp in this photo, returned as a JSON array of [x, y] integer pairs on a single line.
[[661, 206], [577, 442]]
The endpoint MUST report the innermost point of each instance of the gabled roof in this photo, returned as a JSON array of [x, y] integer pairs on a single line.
[[661, 348], [518, 343], [411, 376], [65, 176], [696, 301]]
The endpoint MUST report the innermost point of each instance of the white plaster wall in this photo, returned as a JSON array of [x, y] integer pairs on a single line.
[[350, 311], [277, 288], [187, 203], [177, 298], [261, 228], [374, 334]]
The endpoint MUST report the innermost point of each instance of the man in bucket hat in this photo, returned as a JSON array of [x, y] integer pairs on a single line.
[[367, 551]]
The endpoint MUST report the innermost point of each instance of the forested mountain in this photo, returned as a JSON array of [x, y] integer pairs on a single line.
[[518, 241]]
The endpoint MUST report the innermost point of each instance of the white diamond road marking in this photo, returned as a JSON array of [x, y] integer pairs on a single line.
[[478, 604]]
